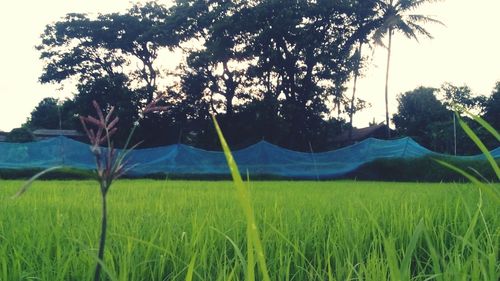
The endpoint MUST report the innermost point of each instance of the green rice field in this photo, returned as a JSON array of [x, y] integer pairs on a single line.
[[332, 230]]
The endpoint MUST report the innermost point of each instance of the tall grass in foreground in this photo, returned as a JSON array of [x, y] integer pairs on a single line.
[[399, 269], [110, 166], [110, 163], [253, 237], [492, 191], [310, 231]]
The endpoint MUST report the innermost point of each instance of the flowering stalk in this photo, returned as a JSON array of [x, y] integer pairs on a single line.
[[108, 168], [110, 165]]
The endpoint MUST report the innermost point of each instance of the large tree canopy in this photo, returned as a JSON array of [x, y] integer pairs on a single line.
[[432, 123], [295, 56], [418, 111], [87, 49], [50, 113], [275, 67], [492, 108]]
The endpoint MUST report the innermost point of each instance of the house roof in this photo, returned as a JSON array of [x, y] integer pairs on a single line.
[[359, 134], [50, 132]]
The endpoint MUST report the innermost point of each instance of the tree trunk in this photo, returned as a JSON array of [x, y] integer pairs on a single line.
[[356, 73], [230, 88], [387, 84]]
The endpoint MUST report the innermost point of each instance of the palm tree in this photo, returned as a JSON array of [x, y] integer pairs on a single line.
[[352, 109], [398, 18], [367, 22]]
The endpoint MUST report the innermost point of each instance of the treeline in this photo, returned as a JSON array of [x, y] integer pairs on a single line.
[[269, 69], [427, 115]]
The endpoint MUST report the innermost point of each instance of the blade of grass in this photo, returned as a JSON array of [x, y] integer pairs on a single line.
[[472, 225], [189, 275], [231, 274], [250, 257], [434, 256], [405, 264], [28, 183], [250, 248], [489, 189], [246, 205], [483, 123], [106, 270], [479, 144], [392, 259], [154, 246], [297, 250], [237, 250]]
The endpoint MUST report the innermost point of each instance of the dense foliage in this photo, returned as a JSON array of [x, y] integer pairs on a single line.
[[426, 115], [270, 69], [19, 135]]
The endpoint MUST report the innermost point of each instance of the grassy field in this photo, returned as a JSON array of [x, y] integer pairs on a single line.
[[310, 231]]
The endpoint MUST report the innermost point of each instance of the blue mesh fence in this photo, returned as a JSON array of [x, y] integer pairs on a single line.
[[262, 158]]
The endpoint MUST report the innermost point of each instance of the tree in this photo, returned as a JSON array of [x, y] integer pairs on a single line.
[[71, 48], [293, 56], [430, 122], [109, 91], [89, 49], [303, 52], [462, 96], [283, 62], [113, 58], [421, 116], [397, 19], [50, 113], [215, 61], [19, 135], [492, 108], [453, 97], [45, 115], [367, 23]]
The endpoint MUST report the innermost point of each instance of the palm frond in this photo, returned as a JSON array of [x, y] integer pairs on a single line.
[[407, 5], [424, 19], [379, 36], [420, 30], [384, 5], [396, 18], [407, 30]]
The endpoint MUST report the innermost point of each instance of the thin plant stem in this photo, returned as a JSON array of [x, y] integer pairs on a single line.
[[387, 84], [102, 241]]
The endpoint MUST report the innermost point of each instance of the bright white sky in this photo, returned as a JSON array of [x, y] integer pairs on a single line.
[[466, 51]]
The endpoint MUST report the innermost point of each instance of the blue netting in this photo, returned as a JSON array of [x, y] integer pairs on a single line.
[[261, 158]]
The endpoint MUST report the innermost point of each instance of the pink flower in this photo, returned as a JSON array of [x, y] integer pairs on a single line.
[[110, 166]]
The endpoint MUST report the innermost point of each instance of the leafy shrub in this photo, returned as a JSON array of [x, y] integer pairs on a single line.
[[19, 135]]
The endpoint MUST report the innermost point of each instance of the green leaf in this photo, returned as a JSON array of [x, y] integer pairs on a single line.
[[405, 264], [250, 257], [28, 183], [479, 144], [237, 249], [189, 275], [436, 267], [489, 189], [244, 199], [483, 123], [392, 259]]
